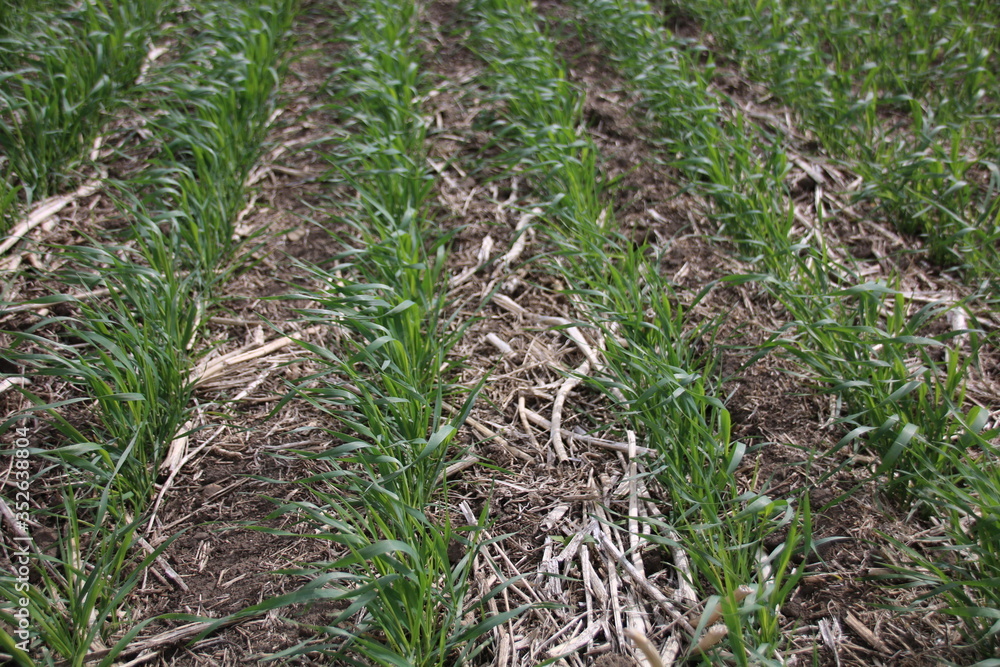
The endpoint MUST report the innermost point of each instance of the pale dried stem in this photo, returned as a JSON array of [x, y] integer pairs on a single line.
[[634, 509], [177, 449], [555, 430], [685, 593], [644, 584], [539, 420], [866, 634], [148, 61], [46, 210], [636, 622], [572, 332], [671, 649], [215, 367], [173, 473], [168, 571], [521, 411], [580, 640], [482, 258], [492, 436], [165, 639], [519, 244], [645, 646], [499, 344], [7, 384]]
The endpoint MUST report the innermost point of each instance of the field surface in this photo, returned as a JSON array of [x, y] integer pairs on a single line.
[[497, 332]]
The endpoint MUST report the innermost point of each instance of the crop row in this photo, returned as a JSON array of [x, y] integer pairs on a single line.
[[649, 368], [379, 496], [900, 390], [914, 117], [131, 355]]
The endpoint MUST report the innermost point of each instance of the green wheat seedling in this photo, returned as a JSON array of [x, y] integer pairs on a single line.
[[385, 390], [131, 359], [388, 396], [8, 203], [77, 601], [903, 391], [216, 106], [383, 158], [16, 16], [386, 383], [542, 111], [134, 356], [661, 386], [936, 453], [815, 274], [738, 167], [899, 394], [62, 79], [925, 183], [129, 355], [842, 67], [411, 605], [720, 528], [405, 592], [965, 572], [895, 388]]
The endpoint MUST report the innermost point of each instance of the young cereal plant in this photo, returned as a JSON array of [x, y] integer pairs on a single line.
[[893, 382], [215, 107], [739, 167], [8, 204], [904, 390], [62, 79], [893, 385], [404, 580], [844, 69], [661, 387], [964, 568], [77, 600], [386, 395], [133, 363], [408, 602], [129, 355]]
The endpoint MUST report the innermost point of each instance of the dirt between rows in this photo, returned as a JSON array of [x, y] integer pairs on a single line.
[[839, 615]]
